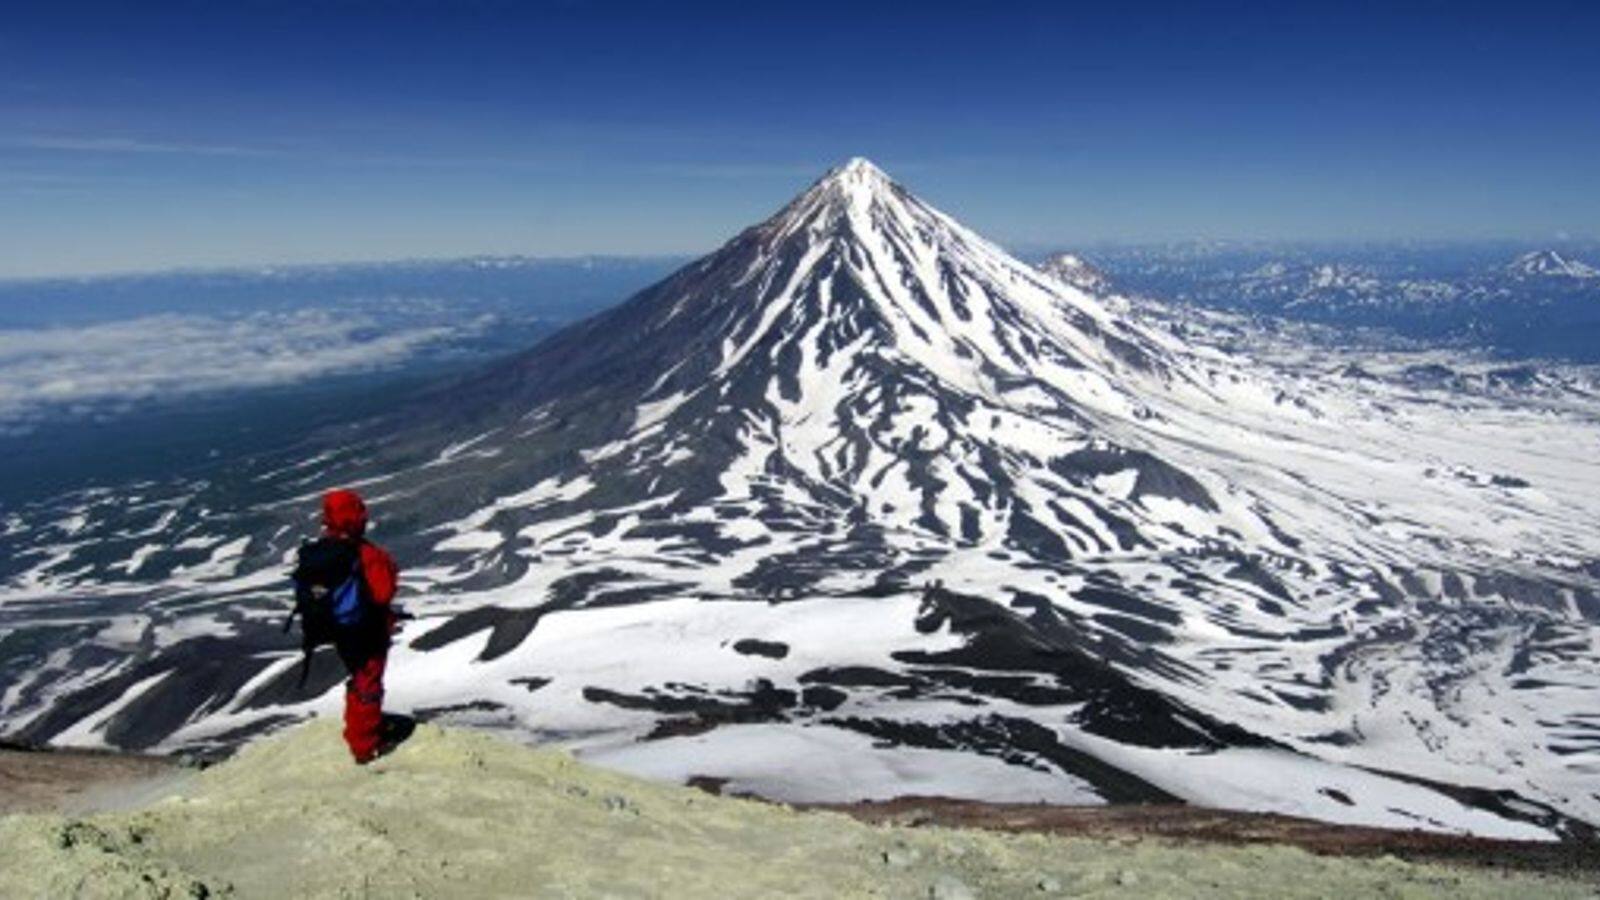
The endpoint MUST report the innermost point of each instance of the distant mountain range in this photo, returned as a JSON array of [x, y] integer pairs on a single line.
[[1542, 302]]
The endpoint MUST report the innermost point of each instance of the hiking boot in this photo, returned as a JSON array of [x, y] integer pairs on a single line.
[[383, 749], [395, 730]]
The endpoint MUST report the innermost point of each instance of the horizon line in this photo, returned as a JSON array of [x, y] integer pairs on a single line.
[[1027, 247]]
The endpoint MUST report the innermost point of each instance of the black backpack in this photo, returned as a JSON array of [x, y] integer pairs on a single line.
[[331, 597]]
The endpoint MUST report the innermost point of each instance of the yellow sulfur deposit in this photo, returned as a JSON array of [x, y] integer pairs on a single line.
[[463, 814]]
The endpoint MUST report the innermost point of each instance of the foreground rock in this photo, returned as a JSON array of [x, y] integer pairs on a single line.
[[462, 814]]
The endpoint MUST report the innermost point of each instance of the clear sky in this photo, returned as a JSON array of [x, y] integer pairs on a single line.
[[143, 135]]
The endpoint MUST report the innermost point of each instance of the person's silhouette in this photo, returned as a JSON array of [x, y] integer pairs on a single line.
[[346, 586]]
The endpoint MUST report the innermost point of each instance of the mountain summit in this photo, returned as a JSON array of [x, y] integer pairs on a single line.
[[857, 505], [856, 173]]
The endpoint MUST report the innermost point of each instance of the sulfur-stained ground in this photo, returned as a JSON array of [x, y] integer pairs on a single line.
[[464, 814]]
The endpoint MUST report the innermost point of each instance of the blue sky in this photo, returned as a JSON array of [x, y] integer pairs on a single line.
[[148, 135]]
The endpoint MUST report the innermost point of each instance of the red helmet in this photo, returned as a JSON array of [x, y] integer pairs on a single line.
[[343, 513]]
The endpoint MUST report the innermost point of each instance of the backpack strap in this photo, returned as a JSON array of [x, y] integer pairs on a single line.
[[299, 589], [306, 647], [307, 651]]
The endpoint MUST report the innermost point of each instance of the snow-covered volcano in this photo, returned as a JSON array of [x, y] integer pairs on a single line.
[[1550, 264], [860, 505]]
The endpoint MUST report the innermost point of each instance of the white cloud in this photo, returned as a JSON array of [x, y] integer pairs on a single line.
[[112, 144], [112, 365], [72, 144]]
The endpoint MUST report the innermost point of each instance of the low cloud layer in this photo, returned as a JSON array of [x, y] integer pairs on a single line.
[[105, 367]]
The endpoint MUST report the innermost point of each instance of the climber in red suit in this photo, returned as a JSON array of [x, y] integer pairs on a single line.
[[344, 518]]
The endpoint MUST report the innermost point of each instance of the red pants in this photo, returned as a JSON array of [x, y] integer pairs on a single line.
[[363, 704]]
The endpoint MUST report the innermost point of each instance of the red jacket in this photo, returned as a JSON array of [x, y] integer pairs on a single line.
[[382, 574], [344, 515]]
